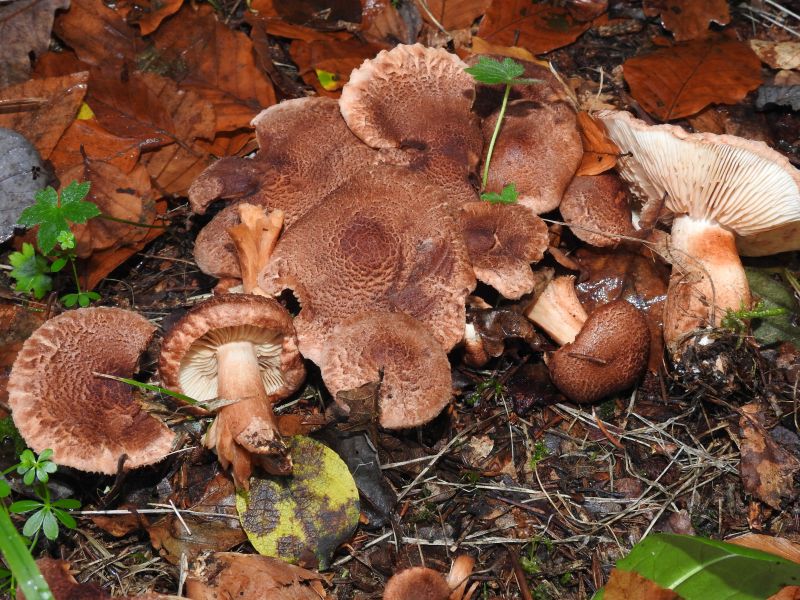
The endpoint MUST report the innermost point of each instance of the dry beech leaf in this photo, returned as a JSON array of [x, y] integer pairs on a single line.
[[767, 468], [599, 152], [481, 46], [381, 23], [538, 28], [682, 80], [58, 101], [338, 58], [148, 14], [24, 28], [97, 34], [688, 19], [774, 545], [324, 15], [627, 585], [455, 14], [778, 55]]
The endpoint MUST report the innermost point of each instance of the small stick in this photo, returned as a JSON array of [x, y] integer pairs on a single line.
[[524, 590]]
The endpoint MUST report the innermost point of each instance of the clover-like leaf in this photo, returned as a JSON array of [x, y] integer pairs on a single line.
[[508, 195]]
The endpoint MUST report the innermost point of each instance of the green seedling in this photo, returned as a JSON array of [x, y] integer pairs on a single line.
[[493, 72], [736, 320], [540, 452], [492, 388], [33, 468], [151, 388]]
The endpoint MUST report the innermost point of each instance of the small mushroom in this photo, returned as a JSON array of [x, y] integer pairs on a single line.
[[502, 242], [416, 383], [601, 354], [596, 209], [422, 583], [722, 191], [57, 400], [239, 348]]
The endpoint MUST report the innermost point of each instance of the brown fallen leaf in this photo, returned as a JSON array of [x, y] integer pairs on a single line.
[[337, 58], [148, 14], [58, 100], [17, 323], [679, 81], [233, 575], [454, 14], [323, 15], [778, 55], [767, 469], [774, 545], [599, 152], [481, 46], [538, 28], [627, 585], [382, 23], [25, 30], [688, 19]]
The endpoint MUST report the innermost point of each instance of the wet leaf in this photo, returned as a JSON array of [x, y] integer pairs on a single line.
[[538, 28], [22, 174], [148, 14], [769, 286], [57, 100], [455, 14], [697, 568], [599, 152], [307, 515], [25, 29], [98, 34], [688, 19], [682, 80]]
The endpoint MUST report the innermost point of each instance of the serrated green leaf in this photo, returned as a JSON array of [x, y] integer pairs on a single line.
[[775, 292], [31, 271], [698, 568], [491, 72], [508, 195], [46, 199], [75, 192]]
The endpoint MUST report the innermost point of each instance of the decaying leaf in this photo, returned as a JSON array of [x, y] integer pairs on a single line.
[[481, 46], [688, 19], [337, 59], [767, 543], [599, 152], [454, 14], [303, 517], [148, 14], [22, 174], [767, 468], [57, 100], [86, 138], [778, 55], [324, 15], [25, 29], [231, 575], [16, 325], [538, 28], [679, 81], [627, 585]]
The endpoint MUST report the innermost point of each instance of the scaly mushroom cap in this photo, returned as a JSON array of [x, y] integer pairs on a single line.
[[597, 210], [188, 360], [538, 149], [415, 97], [214, 250], [742, 185], [57, 402], [416, 382], [417, 583], [608, 356], [502, 242], [385, 240]]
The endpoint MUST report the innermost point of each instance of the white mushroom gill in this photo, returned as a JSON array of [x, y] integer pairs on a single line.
[[246, 352]]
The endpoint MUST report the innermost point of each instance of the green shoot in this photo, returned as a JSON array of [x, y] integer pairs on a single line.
[[33, 468], [31, 272], [494, 388], [735, 319], [507, 196], [540, 452], [493, 72], [151, 388]]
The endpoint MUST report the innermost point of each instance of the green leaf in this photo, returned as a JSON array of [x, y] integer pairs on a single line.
[[5, 488], [66, 239], [31, 272], [19, 560], [46, 199], [23, 506], [50, 525], [69, 300], [46, 454], [313, 510], [697, 568], [490, 71], [33, 524], [75, 192], [74, 207], [771, 286], [507, 196], [29, 476], [68, 503], [65, 518]]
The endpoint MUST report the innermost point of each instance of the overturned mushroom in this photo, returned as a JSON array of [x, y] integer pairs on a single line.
[[601, 354], [596, 209], [721, 191], [416, 383], [240, 348], [57, 400]]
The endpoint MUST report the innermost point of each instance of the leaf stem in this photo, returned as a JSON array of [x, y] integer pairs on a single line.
[[75, 274], [494, 136]]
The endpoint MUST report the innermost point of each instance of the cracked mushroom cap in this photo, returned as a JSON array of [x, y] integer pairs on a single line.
[[57, 402], [413, 96], [608, 355], [385, 240], [596, 209], [502, 242], [188, 361], [416, 383], [539, 149], [419, 583], [740, 184]]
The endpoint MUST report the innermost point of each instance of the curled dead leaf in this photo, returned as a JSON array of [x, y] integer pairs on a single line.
[[688, 19], [599, 152]]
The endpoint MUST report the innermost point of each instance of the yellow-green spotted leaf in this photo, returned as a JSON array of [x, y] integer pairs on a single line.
[[329, 81], [309, 513]]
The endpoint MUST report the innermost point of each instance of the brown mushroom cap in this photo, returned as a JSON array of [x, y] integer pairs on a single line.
[[417, 583], [188, 352], [597, 209], [415, 97], [608, 356], [416, 383], [214, 250], [538, 149], [502, 242], [385, 240], [57, 402]]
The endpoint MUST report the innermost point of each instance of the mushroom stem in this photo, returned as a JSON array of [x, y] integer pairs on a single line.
[[707, 278], [255, 238], [558, 311], [247, 429]]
